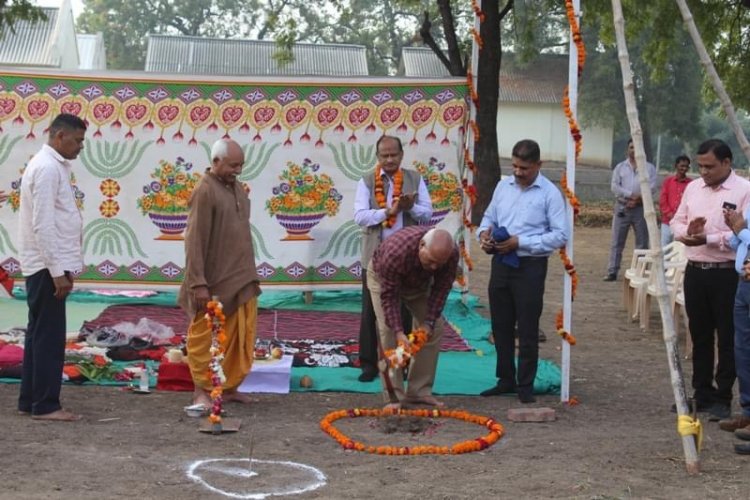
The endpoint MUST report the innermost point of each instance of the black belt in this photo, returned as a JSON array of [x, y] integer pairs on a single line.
[[711, 265]]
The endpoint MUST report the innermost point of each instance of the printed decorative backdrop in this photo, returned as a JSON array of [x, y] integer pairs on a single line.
[[306, 145]]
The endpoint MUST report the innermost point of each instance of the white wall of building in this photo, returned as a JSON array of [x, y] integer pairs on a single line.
[[546, 124]]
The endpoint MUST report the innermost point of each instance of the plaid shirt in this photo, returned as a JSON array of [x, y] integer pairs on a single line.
[[396, 263]]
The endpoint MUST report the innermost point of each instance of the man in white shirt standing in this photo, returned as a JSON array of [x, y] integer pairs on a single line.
[[388, 198], [626, 186], [50, 249]]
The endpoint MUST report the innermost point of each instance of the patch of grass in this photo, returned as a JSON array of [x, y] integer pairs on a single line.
[[595, 214]]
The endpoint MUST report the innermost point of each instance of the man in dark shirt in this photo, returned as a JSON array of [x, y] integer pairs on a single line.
[[416, 265]]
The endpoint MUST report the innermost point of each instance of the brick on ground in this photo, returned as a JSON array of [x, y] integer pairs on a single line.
[[543, 414]]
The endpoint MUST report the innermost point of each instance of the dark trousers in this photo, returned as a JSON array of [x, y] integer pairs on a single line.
[[368, 332], [516, 297], [44, 347], [709, 302]]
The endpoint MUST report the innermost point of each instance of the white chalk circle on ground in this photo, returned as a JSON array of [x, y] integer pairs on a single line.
[[255, 479]]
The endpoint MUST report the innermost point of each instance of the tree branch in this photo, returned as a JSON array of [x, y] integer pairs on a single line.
[[509, 6], [456, 67], [424, 32]]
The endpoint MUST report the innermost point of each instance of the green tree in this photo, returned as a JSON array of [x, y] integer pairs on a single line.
[[18, 10], [125, 25]]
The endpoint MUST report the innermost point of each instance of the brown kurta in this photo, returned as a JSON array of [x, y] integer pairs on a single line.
[[218, 246]]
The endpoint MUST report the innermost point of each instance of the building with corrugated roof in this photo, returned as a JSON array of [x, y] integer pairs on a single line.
[[529, 107], [49, 43], [224, 56]]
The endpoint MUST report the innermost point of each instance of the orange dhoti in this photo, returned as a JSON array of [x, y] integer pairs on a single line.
[[240, 329]]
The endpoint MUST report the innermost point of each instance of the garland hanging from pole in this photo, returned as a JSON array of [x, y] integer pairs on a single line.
[[575, 132]]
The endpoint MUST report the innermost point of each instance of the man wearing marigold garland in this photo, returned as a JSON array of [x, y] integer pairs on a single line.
[[387, 199], [416, 265], [524, 223], [50, 233], [220, 262]]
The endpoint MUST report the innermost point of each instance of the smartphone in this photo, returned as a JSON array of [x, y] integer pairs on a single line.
[[729, 206]]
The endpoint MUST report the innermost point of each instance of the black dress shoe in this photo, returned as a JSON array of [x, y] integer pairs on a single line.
[[742, 448], [367, 376], [526, 397], [610, 277], [498, 390], [719, 411]]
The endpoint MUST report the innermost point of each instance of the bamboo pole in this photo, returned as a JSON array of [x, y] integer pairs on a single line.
[[713, 76], [692, 461]]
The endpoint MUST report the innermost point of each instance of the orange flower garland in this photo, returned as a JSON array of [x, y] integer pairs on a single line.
[[398, 184], [477, 11], [572, 123], [477, 38], [574, 201], [472, 91], [465, 255], [575, 32], [402, 354], [478, 444], [216, 321], [571, 270]]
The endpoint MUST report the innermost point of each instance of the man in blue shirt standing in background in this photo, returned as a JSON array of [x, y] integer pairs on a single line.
[[524, 223]]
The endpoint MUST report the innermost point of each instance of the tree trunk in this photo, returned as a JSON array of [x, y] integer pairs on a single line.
[[713, 76], [692, 461], [486, 156]]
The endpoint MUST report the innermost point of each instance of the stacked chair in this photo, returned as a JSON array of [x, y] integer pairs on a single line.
[[639, 285]]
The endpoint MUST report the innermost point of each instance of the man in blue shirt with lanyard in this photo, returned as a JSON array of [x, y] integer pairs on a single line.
[[524, 223]]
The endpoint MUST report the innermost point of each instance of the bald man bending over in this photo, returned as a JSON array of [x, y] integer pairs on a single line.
[[416, 265]]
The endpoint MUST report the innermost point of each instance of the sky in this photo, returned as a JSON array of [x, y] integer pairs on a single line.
[[77, 5]]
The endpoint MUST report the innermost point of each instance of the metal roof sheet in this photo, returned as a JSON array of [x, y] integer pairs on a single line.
[[541, 82], [219, 56], [32, 44]]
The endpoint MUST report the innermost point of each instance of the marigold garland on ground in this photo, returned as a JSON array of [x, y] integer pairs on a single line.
[[216, 320], [496, 432]]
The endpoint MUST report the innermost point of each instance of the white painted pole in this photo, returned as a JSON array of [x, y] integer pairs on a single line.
[[469, 141], [570, 170]]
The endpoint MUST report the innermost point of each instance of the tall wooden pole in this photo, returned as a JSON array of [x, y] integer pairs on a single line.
[[692, 461]]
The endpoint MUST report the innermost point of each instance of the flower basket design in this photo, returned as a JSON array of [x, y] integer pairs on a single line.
[[303, 199], [444, 188], [165, 199]]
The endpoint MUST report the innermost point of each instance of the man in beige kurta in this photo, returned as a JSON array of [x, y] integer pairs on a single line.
[[220, 262]]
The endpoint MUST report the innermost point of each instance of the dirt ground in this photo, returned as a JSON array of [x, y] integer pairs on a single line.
[[620, 442]]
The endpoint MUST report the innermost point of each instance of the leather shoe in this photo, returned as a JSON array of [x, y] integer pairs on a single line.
[[498, 390], [367, 376], [610, 277], [734, 423], [526, 397], [719, 411], [742, 448], [743, 433]]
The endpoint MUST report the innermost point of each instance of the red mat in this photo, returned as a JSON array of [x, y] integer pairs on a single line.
[[290, 325]]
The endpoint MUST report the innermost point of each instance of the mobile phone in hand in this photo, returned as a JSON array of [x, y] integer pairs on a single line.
[[729, 206]]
